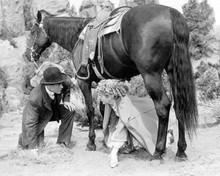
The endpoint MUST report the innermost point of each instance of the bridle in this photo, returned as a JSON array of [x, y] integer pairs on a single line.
[[31, 48]]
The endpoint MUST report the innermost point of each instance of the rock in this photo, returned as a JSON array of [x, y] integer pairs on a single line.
[[12, 64], [133, 3], [50, 7], [28, 18], [1, 19], [12, 61], [13, 17], [13, 98]]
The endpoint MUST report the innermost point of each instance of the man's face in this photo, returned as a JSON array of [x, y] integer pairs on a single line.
[[56, 88]]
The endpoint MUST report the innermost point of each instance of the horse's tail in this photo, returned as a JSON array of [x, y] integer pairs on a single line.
[[181, 75]]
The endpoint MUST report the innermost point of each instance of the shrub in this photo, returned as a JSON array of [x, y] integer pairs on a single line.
[[3, 80], [3, 85], [207, 81], [28, 72], [138, 86]]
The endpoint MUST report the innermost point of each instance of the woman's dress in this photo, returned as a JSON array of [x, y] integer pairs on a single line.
[[136, 115]]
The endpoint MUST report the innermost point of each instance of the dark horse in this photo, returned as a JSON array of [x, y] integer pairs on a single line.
[[152, 38]]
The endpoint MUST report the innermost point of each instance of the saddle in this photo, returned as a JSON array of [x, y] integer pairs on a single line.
[[92, 33]]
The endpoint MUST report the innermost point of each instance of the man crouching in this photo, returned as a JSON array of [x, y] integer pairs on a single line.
[[48, 101]]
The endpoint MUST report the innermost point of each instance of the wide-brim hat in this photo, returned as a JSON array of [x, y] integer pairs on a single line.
[[53, 75]]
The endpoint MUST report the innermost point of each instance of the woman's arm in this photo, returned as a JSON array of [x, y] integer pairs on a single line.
[[107, 113]]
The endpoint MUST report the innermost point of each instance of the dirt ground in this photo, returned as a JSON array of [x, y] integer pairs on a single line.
[[203, 153]]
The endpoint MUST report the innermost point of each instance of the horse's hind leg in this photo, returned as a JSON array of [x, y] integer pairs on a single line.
[[85, 87], [153, 83], [181, 155]]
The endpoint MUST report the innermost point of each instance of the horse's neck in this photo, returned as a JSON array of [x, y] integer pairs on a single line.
[[63, 41], [62, 35]]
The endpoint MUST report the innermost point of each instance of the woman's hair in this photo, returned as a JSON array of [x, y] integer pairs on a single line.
[[113, 87]]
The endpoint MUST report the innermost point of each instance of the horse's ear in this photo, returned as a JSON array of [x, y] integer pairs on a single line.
[[39, 16]]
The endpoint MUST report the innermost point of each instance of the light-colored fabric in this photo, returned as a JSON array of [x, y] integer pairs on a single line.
[[142, 122], [138, 116], [113, 25], [119, 136]]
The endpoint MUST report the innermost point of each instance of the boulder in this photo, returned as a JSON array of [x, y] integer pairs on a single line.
[[90, 8], [134, 3], [12, 17], [50, 7], [12, 64], [1, 19], [14, 98], [28, 18]]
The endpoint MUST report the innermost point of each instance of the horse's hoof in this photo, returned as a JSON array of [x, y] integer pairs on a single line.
[[181, 157], [156, 160], [91, 147], [156, 156], [178, 159]]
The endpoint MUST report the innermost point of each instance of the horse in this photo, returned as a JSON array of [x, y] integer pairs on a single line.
[[152, 38]]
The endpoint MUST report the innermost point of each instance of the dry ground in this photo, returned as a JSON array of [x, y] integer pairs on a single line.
[[203, 153]]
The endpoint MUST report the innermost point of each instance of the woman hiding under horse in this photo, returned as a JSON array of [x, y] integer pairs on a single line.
[[151, 38], [135, 116]]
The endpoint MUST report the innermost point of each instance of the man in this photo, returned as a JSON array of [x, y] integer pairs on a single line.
[[48, 101]]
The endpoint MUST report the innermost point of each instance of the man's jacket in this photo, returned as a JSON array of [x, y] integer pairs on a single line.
[[38, 112]]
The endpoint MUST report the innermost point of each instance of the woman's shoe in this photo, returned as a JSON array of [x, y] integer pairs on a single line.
[[126, 149]]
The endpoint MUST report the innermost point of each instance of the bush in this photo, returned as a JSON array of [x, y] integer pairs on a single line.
[[207, 81], [3, 86], [3, 79], [28, 73], [138, 86]]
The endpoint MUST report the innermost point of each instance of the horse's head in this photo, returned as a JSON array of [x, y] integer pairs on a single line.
[[37, 40]]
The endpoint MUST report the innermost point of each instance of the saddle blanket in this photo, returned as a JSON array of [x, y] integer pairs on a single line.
[[113, 25]]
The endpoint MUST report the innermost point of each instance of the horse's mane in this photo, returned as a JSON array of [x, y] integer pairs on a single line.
[[64, 30]]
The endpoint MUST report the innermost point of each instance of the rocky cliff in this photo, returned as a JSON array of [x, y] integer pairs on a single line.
[[15, 20]]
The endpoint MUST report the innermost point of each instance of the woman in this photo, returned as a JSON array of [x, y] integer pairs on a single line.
[[134, 115]]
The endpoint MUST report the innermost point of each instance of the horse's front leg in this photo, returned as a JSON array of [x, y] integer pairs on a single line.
[[153, 83], [85, 87]]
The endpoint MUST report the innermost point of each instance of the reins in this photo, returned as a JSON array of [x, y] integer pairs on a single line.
[[40, 25]]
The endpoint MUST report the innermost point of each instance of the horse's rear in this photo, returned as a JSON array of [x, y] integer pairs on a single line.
[[155, 38]]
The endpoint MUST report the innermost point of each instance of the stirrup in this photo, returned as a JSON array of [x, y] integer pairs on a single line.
[[81, 77]]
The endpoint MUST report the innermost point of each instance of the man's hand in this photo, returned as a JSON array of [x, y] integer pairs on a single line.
[[69, 106]]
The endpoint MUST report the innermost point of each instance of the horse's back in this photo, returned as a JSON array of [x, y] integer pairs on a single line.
[[149, 11], [147, 34], [147, 19]]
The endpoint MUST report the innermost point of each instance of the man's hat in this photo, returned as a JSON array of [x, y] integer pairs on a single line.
[[53, 75]]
